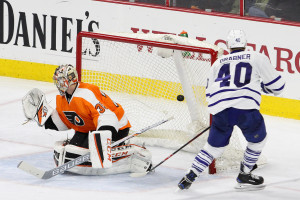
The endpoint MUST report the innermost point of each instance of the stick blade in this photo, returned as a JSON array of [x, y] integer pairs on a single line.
[[28, 168]]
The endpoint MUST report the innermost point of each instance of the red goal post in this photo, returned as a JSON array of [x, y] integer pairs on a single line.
[[154, 76]]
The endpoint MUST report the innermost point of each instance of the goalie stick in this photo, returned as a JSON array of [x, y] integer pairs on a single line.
[[152, 169], [81, 159]]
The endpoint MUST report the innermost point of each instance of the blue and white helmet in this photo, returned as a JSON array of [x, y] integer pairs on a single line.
[[236, 39]]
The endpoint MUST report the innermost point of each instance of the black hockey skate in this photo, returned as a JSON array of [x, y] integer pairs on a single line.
[[248, 181], [187, 180]]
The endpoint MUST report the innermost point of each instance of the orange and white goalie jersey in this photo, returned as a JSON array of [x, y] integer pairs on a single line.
[[88, 109]]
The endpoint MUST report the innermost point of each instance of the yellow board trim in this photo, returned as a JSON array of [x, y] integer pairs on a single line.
[[281, 107], [27, 70], [274, 106]]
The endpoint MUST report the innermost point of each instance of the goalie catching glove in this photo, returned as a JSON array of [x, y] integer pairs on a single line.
[[35, 106]]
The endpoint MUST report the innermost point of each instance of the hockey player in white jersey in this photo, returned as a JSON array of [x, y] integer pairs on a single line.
[[234, 94]]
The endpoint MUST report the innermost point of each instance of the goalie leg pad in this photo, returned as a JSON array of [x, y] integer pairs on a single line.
[[59, 153], [100, 148], [65, 152], [127, 158], [71, 152], [141, 160]]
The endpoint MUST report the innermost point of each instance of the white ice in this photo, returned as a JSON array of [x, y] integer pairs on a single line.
[[34, 144]]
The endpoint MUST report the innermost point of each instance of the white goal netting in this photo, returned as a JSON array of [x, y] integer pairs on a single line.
[[155, 76]]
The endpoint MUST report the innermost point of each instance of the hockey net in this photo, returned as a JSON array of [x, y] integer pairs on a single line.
[[155, 76]]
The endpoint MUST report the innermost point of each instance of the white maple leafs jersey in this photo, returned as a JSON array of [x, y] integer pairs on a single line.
[[235, 81]]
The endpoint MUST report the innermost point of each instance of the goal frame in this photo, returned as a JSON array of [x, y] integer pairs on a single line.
[[92, 35], [80, 35]]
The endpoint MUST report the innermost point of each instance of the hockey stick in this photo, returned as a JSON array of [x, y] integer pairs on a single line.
[[81, 159], [152, 169]]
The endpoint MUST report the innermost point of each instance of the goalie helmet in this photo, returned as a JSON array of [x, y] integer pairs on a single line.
[[65, 76], [236, 39]]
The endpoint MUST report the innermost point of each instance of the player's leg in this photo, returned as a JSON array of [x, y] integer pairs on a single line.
[[126, 158], [218, 139], [65, 152], [253, 127], [80, 139], [137, 158]]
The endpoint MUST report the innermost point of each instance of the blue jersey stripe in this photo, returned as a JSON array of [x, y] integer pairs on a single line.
[[207, 154], [230, 90], [233, 98], [275, 80], [279, 88]]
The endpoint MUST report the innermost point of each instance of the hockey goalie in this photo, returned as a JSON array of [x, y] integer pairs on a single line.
[[97, 120]]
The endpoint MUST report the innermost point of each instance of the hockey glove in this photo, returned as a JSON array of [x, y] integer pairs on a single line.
[[265, 89], [35, 106]]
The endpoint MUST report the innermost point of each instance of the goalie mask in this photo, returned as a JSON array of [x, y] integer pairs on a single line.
[[65, 76], [236, 39]]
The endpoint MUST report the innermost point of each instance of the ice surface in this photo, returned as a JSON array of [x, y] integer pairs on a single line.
[[34, 144]]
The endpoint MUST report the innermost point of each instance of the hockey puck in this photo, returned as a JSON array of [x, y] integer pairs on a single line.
[[180, 97]]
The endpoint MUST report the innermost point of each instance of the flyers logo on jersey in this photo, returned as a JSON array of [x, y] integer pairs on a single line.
[[74, 118]]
